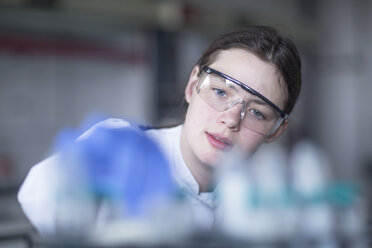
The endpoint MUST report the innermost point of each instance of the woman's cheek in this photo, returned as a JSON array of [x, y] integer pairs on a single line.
[[202, 113], [249, 141]]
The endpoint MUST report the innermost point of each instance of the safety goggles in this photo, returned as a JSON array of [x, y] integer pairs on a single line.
[[223, 92]]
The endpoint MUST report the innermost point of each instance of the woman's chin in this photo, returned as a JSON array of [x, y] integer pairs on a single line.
[[212, 159]]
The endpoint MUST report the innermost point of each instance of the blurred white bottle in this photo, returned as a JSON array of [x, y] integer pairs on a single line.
[[270, 172], [76, 206], [311, 176], [251, 195], [352, 224], [233, 194]]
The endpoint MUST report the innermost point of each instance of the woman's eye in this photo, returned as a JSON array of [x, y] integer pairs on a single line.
[[257, 114], [219, 92]]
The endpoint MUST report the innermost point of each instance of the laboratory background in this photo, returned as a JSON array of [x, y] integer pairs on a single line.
[[64, 63]]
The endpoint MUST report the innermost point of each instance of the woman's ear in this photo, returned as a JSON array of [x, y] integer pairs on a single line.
[[191, 85], [278, 132]]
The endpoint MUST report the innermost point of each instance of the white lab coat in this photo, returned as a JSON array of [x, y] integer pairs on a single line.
[[36, 193]]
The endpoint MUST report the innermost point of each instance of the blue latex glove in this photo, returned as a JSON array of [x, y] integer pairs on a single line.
[[123, 165]]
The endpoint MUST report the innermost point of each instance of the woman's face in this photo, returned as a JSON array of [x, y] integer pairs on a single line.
[[205, 128]]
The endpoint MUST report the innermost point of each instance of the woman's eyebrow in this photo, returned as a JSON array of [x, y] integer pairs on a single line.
[[237, 88], [232, 85], [258, 100]]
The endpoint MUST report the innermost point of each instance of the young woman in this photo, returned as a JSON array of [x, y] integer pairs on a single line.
[[240, 94]]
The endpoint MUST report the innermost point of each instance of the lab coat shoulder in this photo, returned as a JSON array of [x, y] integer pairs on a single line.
[[37, 193]]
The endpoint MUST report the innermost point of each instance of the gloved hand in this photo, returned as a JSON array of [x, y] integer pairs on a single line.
[[121, 166]]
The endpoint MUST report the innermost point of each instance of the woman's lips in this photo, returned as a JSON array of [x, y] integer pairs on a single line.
[[219, 141]]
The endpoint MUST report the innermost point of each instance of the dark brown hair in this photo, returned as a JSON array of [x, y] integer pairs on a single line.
[[267, 44]]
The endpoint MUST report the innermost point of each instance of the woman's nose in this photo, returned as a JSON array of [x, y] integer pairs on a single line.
[[232, 116]]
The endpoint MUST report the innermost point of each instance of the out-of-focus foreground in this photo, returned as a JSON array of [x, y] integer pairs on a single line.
[[63, 60]]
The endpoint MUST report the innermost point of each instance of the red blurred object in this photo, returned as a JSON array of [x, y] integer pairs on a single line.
[[23, 44], [6, 166]]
